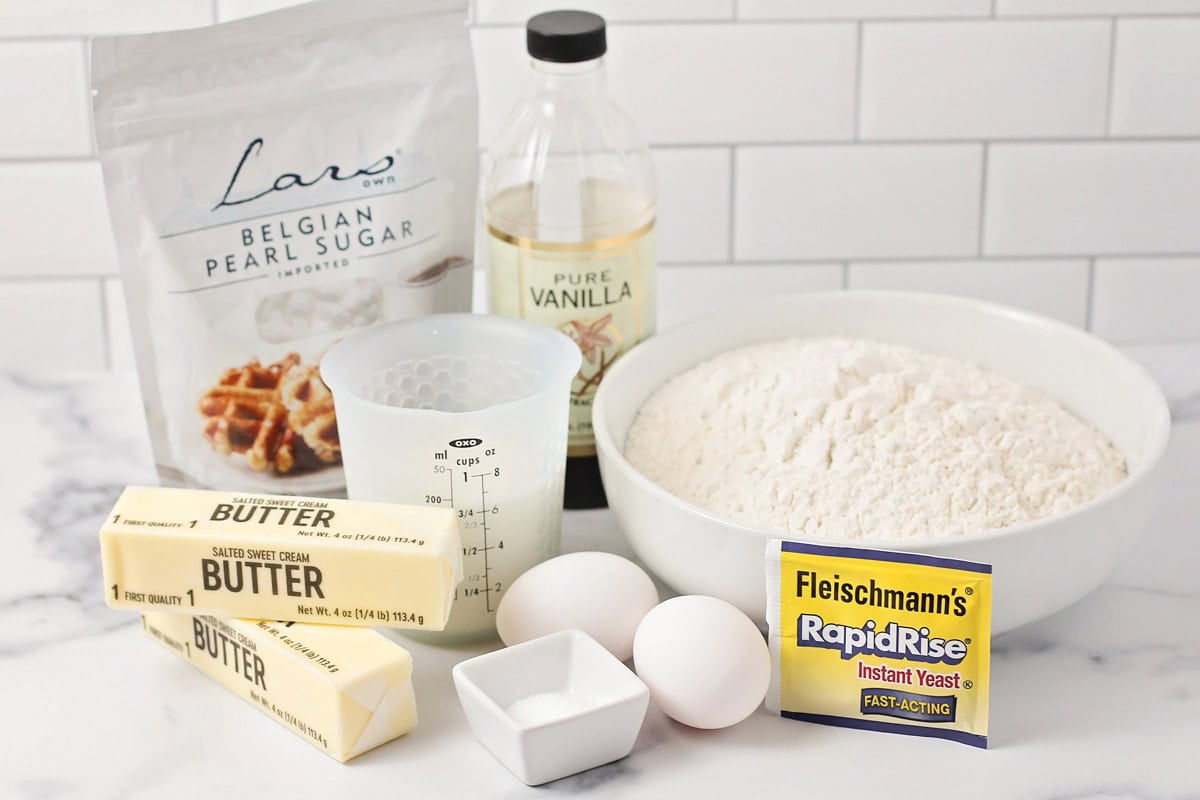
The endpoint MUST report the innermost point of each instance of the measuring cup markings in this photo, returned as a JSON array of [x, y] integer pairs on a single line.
[[458, 467]]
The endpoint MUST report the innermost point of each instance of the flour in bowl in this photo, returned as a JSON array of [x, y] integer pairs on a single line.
[[857, 439]]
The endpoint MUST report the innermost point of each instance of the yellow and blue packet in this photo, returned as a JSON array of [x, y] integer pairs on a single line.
[[880, 640]]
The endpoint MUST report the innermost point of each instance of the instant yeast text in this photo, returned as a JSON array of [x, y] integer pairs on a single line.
[[895, 642], [337, 562], [343, 690]]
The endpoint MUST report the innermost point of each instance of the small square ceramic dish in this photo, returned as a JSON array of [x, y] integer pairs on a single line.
[[553, 706]]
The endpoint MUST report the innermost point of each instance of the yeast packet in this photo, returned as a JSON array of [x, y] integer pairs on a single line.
[[879, 640]]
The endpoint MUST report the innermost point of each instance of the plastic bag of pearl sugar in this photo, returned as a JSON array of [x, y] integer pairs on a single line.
[[276, 183]]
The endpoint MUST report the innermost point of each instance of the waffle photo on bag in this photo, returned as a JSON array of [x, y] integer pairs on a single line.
[[278, 416]]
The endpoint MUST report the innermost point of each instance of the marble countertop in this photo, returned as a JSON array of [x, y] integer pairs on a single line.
[[1101, 700]]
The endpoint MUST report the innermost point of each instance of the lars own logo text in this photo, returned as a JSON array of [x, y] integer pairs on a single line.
[[288, 180]]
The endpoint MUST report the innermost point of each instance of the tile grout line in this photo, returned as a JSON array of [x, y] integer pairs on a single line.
[[716, 266], [1112, 73], [991, 258], [799, 21], [1170, 341], [48, 160], [833, 20], [51, 38], [949, 142], [981, 220], [58, 276], [858, 81], [732, 201], [617, 22], [1089, 310], [777, 261], [105, 326], [93, 151]]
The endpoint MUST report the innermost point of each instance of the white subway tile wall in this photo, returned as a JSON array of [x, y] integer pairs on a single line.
[[694, 202], [53, 325], [1174, 366], [501, 67], [746, 82], [515, 12], [862, 201], [987, 79], [688, 291], [1049, 8], [1041, 153], [702, 83], [862, 9], [95, 17], [1121, 198], [54, 220], [46, 83], [1147, 299], [1156, 86], [1054, 288]]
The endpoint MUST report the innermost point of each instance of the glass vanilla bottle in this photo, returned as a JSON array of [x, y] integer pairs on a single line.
[[569, 203]]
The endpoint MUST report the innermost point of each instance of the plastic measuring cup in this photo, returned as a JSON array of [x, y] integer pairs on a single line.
[[467, 411]]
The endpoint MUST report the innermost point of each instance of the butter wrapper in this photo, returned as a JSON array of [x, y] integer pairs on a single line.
[[879, 640], [305, 559], [342, 690]]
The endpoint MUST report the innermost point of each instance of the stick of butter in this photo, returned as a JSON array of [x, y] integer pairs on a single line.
[[338, 562], [344, 690]]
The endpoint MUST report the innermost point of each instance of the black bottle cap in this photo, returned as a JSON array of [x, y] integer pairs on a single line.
[[565, 37]]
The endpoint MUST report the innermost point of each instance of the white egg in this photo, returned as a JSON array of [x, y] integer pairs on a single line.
[[601, 594], [705, 662]]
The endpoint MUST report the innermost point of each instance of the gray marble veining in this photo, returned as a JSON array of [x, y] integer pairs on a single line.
[[89, 446]]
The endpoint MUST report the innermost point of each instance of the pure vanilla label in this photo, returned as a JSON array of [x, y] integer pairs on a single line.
[[600, 293]]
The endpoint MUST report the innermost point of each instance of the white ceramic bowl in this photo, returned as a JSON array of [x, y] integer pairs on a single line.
[[1039, 567]]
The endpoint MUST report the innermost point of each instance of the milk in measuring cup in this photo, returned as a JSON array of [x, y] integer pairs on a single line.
[[467, 412]]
